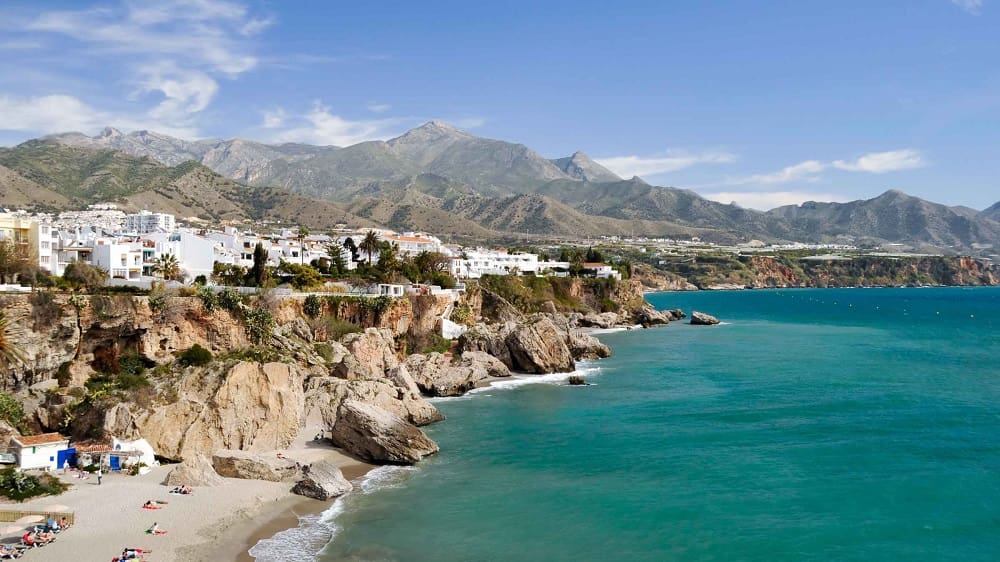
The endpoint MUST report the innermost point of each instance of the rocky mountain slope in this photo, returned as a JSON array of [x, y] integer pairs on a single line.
[[437, 175]]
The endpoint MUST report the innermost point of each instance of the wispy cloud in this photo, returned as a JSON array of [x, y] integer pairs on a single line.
[[974, 7], [882, 162], [467, 122], [320, 126], [810, 170], [378, 107], [765, 200], [670, 161], [274, 118], [177, 51], [59, 113]]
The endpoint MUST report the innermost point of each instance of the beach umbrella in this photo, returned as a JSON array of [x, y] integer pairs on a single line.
[[28, 519], [55, 507]]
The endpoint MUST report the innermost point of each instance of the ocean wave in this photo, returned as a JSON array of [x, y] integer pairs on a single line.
[[516, 381], [314, 532]]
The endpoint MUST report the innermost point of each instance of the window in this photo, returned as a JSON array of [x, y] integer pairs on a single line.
[[45, 245]]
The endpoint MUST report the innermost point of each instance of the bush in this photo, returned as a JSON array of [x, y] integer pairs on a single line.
[[195, 356], [312, 306], [20, 486], [85, 275], [209, 299], [337, 329], [230, 299], [259, 324], [201, 280], [12, 412]]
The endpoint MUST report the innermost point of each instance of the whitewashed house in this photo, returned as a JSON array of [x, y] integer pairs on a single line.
[[476, 263], [122, 260], [39, 451]]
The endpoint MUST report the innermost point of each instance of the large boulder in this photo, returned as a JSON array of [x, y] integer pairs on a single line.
[[586, 346], [490, 339], [374, 351], [398, 394], [649, 316], [675, 314], [538, 346], [486, 362], [322, 481], [196, 470], [593, 320], [373, 434], [496, 309], [702, 319], [254, 466]]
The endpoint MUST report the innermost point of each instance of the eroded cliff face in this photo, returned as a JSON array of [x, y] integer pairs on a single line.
[[85, 333]]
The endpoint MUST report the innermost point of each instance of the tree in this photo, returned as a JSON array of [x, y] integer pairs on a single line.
[[337, 263], [257, 275], [229, 274], [594, 256], [167, 267], [351, 247], [387, 257], [13, 258], [303, 232], [370, 245], [84, 275]]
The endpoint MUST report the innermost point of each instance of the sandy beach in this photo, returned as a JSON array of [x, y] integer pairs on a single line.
[[214, 524]]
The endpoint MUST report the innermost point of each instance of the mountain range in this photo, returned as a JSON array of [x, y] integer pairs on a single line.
[[442, 179]]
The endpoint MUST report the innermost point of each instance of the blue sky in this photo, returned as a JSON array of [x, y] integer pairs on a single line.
[[763, 103]]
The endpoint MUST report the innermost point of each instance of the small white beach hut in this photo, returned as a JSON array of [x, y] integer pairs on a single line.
[[39, 451]]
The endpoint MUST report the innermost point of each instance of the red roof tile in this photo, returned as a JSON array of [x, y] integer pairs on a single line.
[[43, 439]]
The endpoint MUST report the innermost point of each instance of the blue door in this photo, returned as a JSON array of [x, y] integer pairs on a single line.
[[66, 455]]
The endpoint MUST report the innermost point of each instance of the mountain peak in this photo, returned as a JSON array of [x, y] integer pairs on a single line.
[[439, 126], [110, 132], [893, 194], [582, 167]]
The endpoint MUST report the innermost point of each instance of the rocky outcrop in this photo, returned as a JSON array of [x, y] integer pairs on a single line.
[[397, 394], [675, 314], [374, 353], [437, 375], [196, 470], [604, 320], [254, 466], [373, 434], [496, 309], [248, 406], [702, 319], [322, 481], [649, 316], [489, 339], [585, 346], [538, 346]]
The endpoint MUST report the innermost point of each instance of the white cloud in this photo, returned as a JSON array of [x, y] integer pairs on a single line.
[[467, 122], [672, 161], [882, 162], [378, 107], [974, 7], [810, 170], [803, 171], [765, 200], [274, 118], [320, 126], [185, 91], [60, 113]]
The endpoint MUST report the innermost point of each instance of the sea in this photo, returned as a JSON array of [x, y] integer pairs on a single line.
[[829, 424]]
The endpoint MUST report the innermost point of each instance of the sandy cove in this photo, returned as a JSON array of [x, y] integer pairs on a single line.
[[214, 524]]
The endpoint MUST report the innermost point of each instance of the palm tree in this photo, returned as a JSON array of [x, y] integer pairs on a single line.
[[167, 266], [10, 355], [369, 245]]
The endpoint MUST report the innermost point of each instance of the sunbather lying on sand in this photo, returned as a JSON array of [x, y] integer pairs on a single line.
[[155, 530], [153, 504], [6, 552], [183, 490]]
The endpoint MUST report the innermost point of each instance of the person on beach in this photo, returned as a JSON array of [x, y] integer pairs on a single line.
[[7, 552], [150, 504], [63, 523], [99, 476], [45, 537], [155, 530], [133, 553]]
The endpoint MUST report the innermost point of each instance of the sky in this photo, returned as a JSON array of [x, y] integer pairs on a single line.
[[761, 103]]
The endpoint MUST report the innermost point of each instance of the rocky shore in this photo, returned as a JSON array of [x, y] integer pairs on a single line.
[[237, 416]]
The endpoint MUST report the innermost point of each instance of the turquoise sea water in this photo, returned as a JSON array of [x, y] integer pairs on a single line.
[[859, 424]]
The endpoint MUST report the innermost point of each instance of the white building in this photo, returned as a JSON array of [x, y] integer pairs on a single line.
[[145, 222], [474, 264], [122, 260], [195, 254], [39, 451], [412, 243]]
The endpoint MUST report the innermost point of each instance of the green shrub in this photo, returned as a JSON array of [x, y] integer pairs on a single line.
[[20, 486], [257, 354], [230, 299], [12, 412], [312, 306], [195, 356], [63, 376], [337, 329], [259, 324], [209, 299]]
